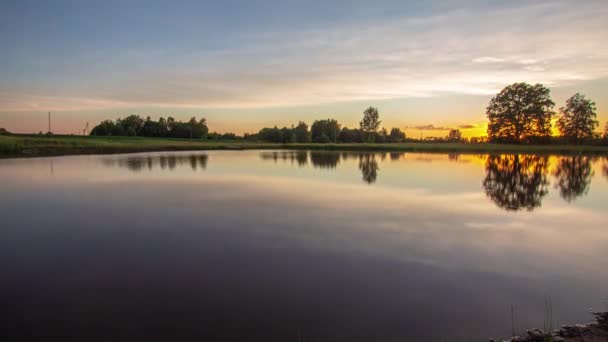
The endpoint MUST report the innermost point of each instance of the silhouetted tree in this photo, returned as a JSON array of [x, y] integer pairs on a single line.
[[396, 135], [350, 135], [454, 136], [514, 182], [381, 136], [577, 119], [519, 113], [369, 167], [370, 123], [3, 131], [274, 134], [573, 176], [134, 125], [301, 132], [325, 131]]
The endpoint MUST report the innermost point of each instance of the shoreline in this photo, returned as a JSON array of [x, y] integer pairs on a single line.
[[27, 146], [596, 331]]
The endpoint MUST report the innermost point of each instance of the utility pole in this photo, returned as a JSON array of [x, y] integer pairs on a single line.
[[49, 123]]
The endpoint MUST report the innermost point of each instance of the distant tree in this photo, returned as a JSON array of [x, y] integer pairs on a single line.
[[381, 136], [454, 136], [134, 125], [270, 134], [301, 132], [348, 135], [288, 135], [3, 131], [370, 123], [325, 131], [577, 119], [519, 113], [106, 128], [396, 135]]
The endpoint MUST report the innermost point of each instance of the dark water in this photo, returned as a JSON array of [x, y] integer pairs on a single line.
[[299, 246]]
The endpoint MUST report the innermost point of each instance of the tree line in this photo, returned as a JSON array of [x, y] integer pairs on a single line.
[[134, 125], [519, 114]]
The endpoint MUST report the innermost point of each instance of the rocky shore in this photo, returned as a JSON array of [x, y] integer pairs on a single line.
[[592, 332]]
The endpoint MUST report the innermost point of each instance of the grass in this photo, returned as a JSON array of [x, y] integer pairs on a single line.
[[33, 145]]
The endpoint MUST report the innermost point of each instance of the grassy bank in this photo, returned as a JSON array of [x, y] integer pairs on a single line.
[[33, 146]]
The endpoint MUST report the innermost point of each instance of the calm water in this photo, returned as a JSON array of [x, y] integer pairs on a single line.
[[300, 246]]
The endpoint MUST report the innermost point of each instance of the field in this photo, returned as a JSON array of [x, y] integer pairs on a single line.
[[33, 146]]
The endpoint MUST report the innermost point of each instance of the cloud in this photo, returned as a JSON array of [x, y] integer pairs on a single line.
[[466, 126], [473, 51], [431, 127], [484, 60]]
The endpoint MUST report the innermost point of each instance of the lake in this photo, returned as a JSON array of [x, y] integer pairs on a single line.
[[300, 245]]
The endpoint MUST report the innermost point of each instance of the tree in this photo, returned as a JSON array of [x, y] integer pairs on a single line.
[[370, 123], [454, 136], [3, 131], [519, 113], [577, 119], [396, 135], [606, 132], [301, 132], [325, 131]]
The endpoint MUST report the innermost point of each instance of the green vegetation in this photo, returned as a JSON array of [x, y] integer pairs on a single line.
[[42, 145]]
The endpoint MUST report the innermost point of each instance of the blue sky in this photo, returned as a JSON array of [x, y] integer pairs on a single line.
[[247, 64]]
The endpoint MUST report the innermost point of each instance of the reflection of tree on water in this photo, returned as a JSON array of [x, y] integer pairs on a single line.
[[325, 159], [170, 162], [369, 167], [300, 157], [573, 175], [515, 182]]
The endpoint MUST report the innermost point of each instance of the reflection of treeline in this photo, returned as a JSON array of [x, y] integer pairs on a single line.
[[517, 182], [164, 162], [512, 181]]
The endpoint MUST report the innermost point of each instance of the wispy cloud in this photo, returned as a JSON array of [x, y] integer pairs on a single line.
[[473, 51]]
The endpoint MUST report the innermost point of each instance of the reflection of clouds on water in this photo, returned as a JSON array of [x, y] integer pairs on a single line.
[[164, 162]]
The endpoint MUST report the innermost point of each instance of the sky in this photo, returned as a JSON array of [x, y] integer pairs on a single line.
[[427, 66]]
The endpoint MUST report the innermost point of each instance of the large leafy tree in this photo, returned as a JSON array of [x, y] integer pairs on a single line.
[[577, 119], [519, 113], [370, 123]]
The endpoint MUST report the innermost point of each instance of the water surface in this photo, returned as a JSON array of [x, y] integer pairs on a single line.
[[300, 246]]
